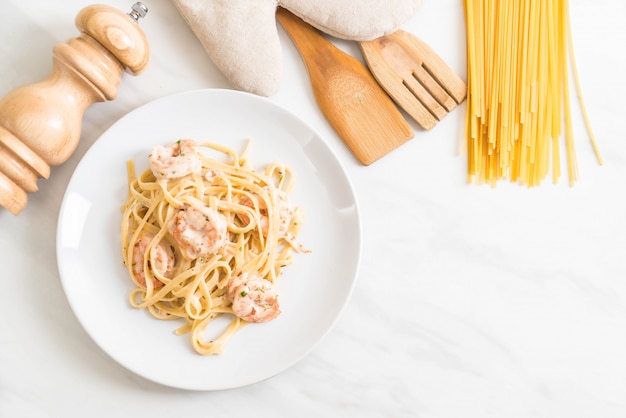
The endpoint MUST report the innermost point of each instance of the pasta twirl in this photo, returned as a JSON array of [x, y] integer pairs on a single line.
[[518, 90], [208, 236]]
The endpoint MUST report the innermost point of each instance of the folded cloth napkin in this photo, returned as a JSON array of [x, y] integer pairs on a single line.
[[241, 38]]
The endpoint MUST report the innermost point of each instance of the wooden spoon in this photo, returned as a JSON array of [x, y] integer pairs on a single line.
[[355, 105], [415, 77]]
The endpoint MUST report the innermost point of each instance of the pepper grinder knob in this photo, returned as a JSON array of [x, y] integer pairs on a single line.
[[40, 123], [138, 11]]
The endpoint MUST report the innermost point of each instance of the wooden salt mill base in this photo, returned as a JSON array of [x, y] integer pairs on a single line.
[[40, 123]]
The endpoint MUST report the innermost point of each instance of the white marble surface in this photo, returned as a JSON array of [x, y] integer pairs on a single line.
[[470, 302]]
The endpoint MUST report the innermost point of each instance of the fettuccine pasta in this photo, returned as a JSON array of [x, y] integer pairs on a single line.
[[204, 237]]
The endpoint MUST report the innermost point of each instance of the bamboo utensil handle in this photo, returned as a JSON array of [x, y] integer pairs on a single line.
[[40, 123], [354, 104]]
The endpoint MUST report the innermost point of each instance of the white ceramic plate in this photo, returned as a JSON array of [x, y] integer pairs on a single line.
[[313, 290]]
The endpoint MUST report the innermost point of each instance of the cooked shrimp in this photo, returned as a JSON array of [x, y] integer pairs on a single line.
[[254, 299], [161, 259], [283, 206], [285, 211], [212, 175], [199, 231], [175, 160]]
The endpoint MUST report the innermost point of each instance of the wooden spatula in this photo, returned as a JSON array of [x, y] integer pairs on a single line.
[[415, 77], [354, 104]]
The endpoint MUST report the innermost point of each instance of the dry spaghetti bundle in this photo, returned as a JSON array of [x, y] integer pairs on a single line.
[[519, 56]]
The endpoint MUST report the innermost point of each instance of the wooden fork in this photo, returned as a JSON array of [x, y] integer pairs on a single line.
[[415, 77]]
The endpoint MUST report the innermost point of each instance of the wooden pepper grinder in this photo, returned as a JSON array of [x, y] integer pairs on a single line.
[[40, 123]]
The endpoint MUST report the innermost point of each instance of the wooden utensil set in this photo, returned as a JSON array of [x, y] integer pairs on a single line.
[[356, 101], [40, 123]]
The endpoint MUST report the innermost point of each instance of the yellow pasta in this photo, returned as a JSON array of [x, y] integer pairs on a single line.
[[518, 58], [206, 237]]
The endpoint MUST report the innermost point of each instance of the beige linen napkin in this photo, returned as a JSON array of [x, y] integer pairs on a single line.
[[241, 37]]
